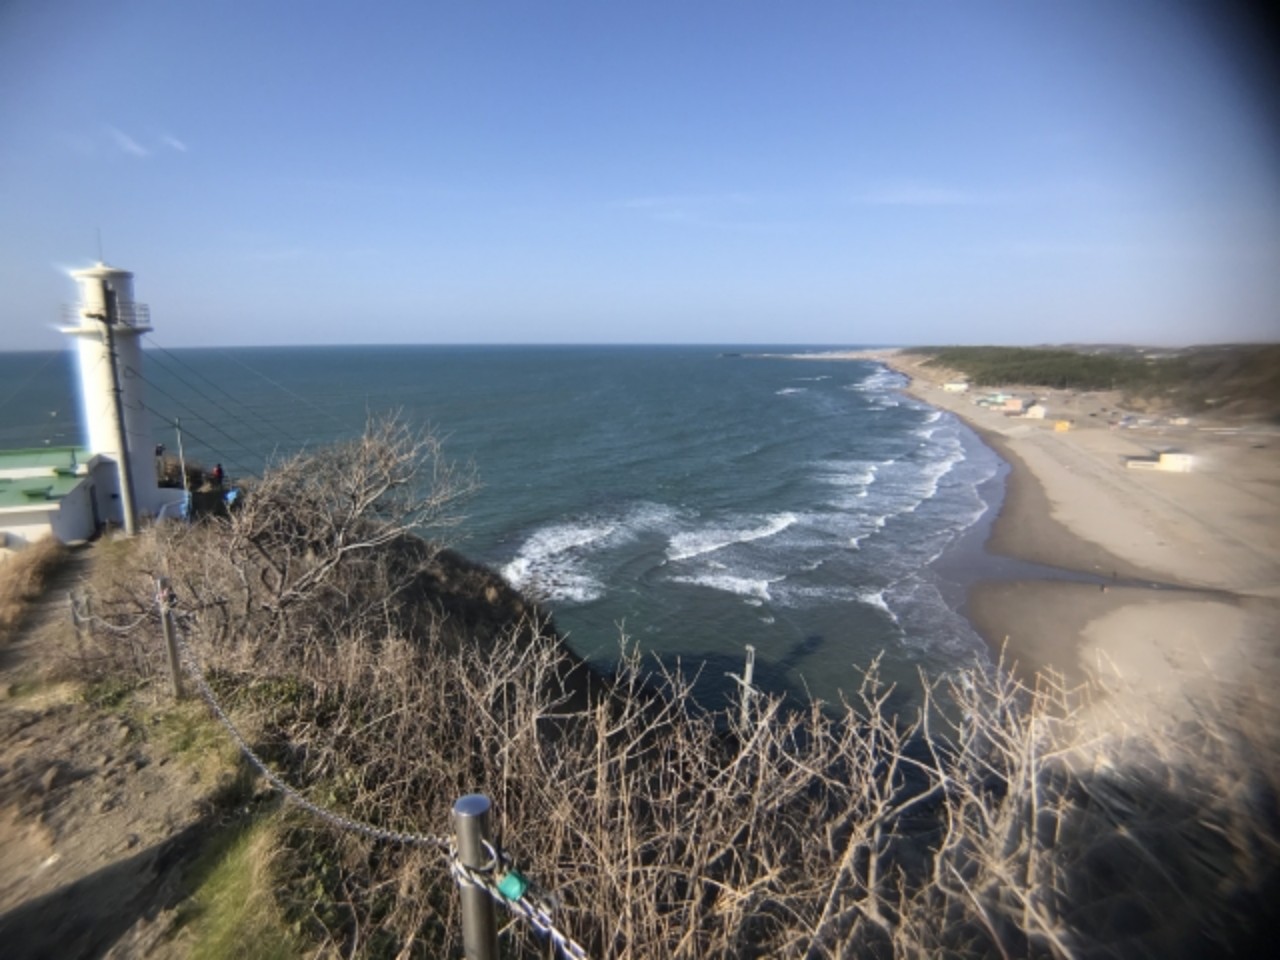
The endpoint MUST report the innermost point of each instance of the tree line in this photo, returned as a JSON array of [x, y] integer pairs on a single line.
[[1060, 368]]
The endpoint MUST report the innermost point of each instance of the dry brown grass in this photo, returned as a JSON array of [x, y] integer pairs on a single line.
[[24, 576], [978, 825]]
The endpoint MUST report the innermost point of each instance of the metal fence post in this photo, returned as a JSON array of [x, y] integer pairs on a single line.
[[171, 646], [746, 690], [471, 826], [76, 622]]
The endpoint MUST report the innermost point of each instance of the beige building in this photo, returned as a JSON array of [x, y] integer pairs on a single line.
[[1168, 462]]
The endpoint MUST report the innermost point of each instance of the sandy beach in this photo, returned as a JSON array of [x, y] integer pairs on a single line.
[[1189, 563]]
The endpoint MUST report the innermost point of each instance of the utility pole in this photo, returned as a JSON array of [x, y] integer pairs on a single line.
[[126, 473], [182, 465]]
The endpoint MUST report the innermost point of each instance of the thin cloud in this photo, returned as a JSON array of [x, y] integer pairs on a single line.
[[126, 144], [173, 143]]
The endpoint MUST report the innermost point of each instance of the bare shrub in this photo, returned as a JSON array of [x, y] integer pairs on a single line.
[[668, 831], [23, 578], [385, 678], [116, 610], [308, 523]]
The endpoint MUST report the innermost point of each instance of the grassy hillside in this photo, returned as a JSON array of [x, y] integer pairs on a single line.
[[1234, 379]]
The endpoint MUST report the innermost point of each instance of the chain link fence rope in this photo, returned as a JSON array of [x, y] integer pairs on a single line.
[[534, 911], [523, 906]]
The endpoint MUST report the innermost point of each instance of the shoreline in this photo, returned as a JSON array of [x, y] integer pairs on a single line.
[[1183, 569]]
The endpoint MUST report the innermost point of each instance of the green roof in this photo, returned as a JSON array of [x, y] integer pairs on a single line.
[[51, 457], [31, 491], [57, 478]]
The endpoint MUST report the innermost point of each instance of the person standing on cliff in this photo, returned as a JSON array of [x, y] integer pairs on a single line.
[[216, 475]]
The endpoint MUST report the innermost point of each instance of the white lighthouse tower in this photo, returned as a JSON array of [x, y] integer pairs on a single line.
[[108, 335]]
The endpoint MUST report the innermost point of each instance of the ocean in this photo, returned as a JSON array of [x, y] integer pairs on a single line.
[[693, 499]]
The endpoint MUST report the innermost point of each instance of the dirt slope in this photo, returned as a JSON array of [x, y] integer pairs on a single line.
[[96, 820]]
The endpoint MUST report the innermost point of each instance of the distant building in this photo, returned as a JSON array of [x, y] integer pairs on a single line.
[[1167, 462], [1036, 411], [995, 401], [956, 386]]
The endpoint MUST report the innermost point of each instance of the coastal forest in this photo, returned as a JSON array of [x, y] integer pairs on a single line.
[[1243, 379], [338, 649]]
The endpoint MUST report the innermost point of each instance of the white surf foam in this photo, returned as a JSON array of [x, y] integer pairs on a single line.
[[847, 473], [695, 543], [755, 590], [563, 537], [550, 561], [554, 560], [925, 485], [876, 599], [882, 378], [867, 524], [558, 581]]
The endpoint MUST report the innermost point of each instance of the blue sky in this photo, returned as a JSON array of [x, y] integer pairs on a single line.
[[918, 171]]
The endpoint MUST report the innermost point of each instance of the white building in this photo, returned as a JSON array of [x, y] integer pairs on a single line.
[[1168, 462], [54, 490], [69, 493]]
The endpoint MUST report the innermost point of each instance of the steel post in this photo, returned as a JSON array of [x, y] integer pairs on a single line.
[[170, 644], [471, 826]]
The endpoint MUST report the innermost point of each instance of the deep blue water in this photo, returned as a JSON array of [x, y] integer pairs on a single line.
[[694, 500]]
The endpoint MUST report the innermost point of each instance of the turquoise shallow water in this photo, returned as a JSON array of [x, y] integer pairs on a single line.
[[696, 499]]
